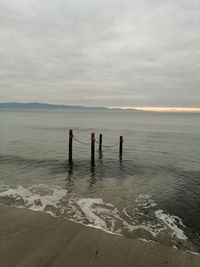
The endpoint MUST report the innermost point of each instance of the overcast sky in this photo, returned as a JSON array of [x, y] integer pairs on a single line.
[[100, 52]]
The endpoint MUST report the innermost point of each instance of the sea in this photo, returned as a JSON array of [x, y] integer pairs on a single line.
[[151, 192]]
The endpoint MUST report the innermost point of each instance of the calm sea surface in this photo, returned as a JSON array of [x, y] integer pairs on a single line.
[[152, 193]]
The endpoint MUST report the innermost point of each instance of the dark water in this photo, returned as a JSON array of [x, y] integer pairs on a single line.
[[154, 190]]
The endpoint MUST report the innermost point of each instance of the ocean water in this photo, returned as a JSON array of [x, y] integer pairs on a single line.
[[152, 193]]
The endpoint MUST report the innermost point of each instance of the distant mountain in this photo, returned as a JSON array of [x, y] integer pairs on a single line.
[[22, 106], [44, 106]]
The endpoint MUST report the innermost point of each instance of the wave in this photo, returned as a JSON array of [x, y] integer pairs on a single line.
[[142, 219]]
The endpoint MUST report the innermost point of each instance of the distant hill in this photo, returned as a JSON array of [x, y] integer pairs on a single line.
[[22, 106], [44, 106]]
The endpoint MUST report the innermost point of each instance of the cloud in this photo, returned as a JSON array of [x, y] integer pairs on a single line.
[[94, 52]]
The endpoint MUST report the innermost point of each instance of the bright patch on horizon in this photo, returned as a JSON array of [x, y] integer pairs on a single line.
[[165, 109]]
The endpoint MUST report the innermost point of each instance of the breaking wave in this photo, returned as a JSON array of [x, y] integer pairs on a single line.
[[142, 219]]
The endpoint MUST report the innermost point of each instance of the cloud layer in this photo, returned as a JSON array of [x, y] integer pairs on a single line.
[[97, 52]]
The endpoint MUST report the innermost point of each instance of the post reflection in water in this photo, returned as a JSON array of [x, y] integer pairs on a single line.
[[121, 165], [70, 179], [93, 178], [93, 173], [101, 156]]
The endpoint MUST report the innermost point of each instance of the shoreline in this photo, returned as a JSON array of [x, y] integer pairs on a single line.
[[30, 238]]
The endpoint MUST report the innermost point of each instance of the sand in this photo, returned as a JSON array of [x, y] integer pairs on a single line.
[[35, 239]]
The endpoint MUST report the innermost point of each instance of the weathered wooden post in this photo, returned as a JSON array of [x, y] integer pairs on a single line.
[[121, 146], [93, 149], [70, 146], [100, 143]]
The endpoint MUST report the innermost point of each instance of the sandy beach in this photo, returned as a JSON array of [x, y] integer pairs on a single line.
[[32, 239]]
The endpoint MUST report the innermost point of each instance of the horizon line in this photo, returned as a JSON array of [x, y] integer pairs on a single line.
[[139, 108]]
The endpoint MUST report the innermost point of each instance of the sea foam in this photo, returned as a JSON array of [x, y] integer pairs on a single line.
[[143, 216]]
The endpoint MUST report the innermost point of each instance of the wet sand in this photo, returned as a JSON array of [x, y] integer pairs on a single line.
[[31, 239]]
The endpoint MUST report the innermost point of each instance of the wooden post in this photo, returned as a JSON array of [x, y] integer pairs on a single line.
[[121, 146], [100, 143], [93, 149], [70, 146]]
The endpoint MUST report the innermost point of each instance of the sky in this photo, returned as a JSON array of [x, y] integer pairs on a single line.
[[143, 53]]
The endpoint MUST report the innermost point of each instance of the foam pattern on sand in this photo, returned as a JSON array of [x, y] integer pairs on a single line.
[[142, 219]]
